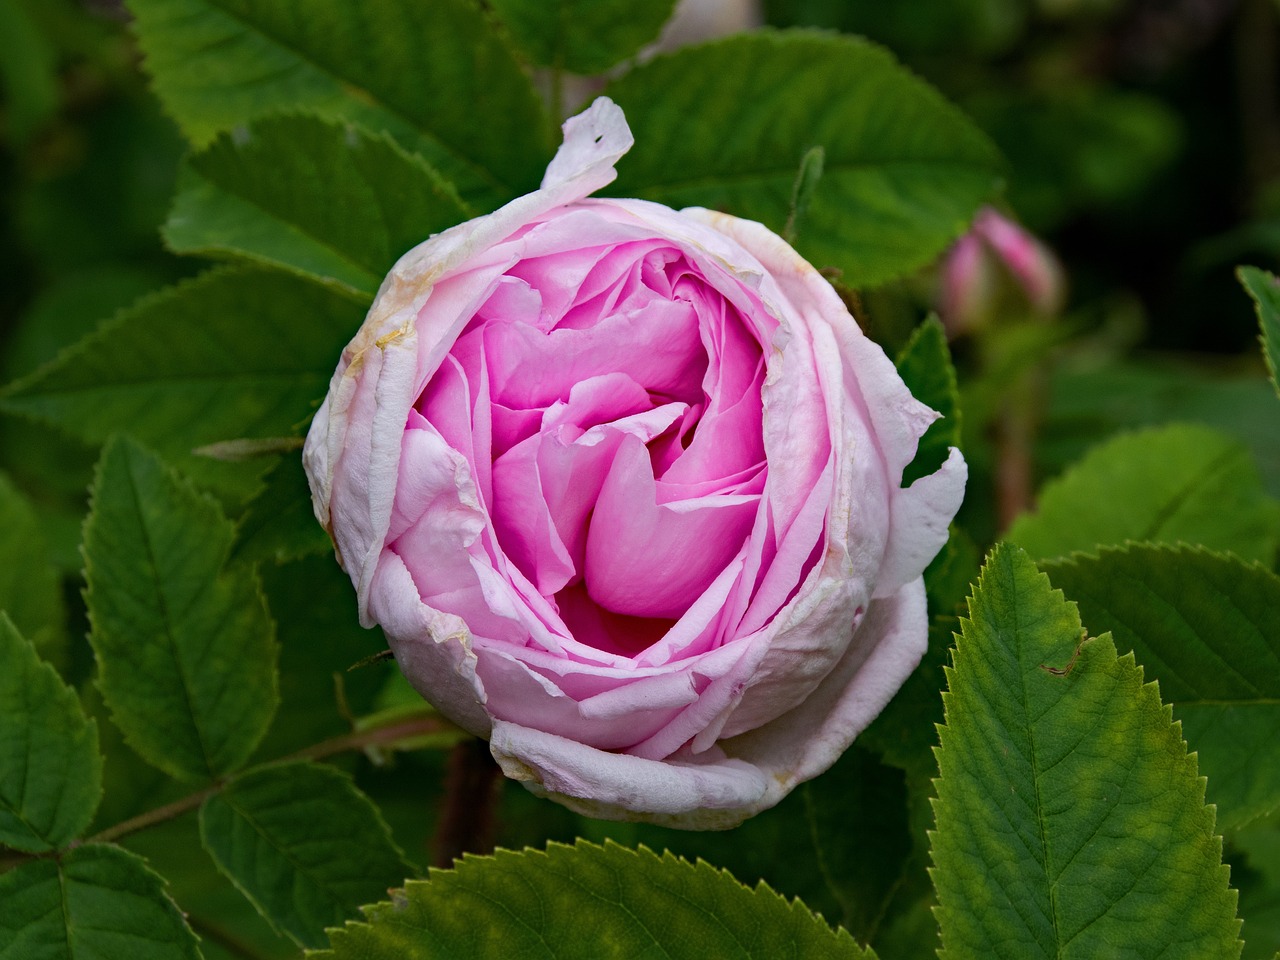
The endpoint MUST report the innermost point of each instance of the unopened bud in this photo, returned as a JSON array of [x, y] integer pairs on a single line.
[[996, 268]]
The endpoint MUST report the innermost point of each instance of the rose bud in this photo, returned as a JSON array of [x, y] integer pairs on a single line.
[[995, 267], [622, 485]]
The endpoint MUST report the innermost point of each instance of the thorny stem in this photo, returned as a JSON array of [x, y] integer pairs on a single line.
[[358, 740], [466, 820]]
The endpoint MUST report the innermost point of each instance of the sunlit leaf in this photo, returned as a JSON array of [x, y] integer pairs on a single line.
[[1070, 817], [1207, 627]]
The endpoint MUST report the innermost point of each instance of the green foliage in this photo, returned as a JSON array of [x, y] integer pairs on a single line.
[[725, 126], [422, 71], [925, 366], [237, 352], [1264, 288], [1207, 627], [29, 589], [583, 36], [96, 901], [279, 524], [255, 194], [1255, 871], [532, 904], [27, 71], [303, 844], [1073, 148], [185, 646], [857, 813], [1070, 818], [320, 639], [971, 26], [1175, 483], [1089, 404], [50, 768]]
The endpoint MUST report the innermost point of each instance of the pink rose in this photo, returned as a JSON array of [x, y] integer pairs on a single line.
[[622, 486]]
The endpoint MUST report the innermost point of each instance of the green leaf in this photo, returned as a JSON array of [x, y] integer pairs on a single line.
[[1265, 289], [725, 125], [1086, 406], [320, 640], [857, 813], [1070, 818], [279, 524], [1255, 871], [1207, 627], [30, 591], [50, 767], [1175, 483], [185, 646], [582, 36], [435, 75], [325, 199], [303, 845], [237, 352], [590, 902], [925, 366], [97, 901], [28, 73], [905, 732]]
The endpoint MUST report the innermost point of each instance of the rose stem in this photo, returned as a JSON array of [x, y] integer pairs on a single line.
[[470, 792], [1015, 436]]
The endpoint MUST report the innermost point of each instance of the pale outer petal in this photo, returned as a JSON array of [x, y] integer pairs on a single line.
[[738, 778]]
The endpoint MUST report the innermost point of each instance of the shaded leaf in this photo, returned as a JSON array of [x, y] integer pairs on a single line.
[[238, 352], [185, 646], [425, 72], [279, 524], [28, 73], [1090, 404], [97, 901], [857, 813], [582, 36], [1265, 289], [536, 904], [1175, 483], [30, 589], [725, 125], [50, 767], [925, 367], [1070, 818], [1207, 627], [303, 844], [324, 199]]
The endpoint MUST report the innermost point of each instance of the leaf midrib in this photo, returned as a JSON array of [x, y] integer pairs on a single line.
[[1041, 826], [166, 617]]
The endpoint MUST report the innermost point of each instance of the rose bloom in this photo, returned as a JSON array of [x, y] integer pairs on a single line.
[[622, 485]]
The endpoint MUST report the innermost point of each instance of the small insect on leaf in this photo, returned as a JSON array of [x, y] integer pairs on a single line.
[[1071, 664]]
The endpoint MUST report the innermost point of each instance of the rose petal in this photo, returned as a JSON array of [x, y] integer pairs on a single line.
[[653, 560]]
